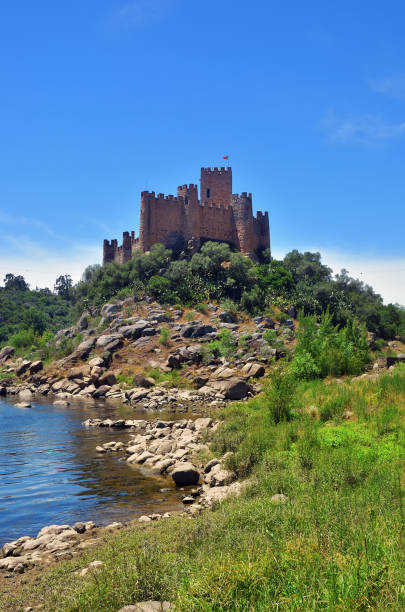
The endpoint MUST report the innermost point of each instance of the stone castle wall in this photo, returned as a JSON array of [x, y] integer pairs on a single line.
[[219, 215]]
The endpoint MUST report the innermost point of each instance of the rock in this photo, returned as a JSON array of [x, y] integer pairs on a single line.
[[185, 474], [202, 423], [96, 362], [107, 379], [23, 405], [85, 347], [107, 339], [83, 322], [79, 527], [233, 389], [219, 477], [147, 606], [25, 394], [254, 370], [22, 368], [202, 330], [94, 565], [134, 331], [110, 309], [143, 381], [210, 465], [6, 352], [144, 519], [173, 361], [223, 373], [189, 499], [61, 403], [279, 498], [228, 317], [9, 563], [101, 391], [53, 530]]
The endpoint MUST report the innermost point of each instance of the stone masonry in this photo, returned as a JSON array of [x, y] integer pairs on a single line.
[[218, 215]]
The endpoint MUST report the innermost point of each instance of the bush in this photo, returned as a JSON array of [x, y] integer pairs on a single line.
[[164, 335], [224, 346], [201, 307], [280, 393], [327, 350], [159, 288]]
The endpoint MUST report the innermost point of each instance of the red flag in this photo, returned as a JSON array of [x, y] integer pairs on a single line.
[[225, 157]]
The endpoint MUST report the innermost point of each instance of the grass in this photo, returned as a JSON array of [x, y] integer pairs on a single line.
[[173, 378], [337, 544]]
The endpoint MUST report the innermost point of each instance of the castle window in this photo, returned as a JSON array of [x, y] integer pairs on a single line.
[[208, 192]]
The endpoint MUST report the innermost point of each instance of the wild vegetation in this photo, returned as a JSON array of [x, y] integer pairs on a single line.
[[333, 538], [215, 273]]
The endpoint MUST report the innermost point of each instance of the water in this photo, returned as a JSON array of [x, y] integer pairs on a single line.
[[51, 473]]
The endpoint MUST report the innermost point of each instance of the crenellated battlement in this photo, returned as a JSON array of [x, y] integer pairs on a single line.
[[218, 215]]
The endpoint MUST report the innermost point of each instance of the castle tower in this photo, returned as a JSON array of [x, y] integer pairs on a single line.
[[216, 185], [243, 216], [191, 210], [145, 221]]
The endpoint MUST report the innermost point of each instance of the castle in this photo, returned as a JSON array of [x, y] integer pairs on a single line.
[[219, 215]]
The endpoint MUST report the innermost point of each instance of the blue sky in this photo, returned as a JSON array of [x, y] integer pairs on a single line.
[[102, 99]]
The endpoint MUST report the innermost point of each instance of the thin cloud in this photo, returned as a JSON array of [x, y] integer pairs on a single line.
[[393, 86], [138, 14], [30, 222], [363, 129]]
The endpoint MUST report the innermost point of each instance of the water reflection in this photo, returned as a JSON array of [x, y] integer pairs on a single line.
[[50, 471]]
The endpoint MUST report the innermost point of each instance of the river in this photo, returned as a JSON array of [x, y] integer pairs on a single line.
[[51, 473]]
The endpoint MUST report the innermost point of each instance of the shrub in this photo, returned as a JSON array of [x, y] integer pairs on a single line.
[[333, 351], [201, 307], [253, 301], [304, 367], [164, 335], [280, 393], [224, 346], [159, 288]]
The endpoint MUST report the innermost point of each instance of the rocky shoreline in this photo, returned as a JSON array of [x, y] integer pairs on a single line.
[[160, 447]]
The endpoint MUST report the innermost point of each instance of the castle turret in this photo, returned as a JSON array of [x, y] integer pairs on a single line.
[[144, 224], [243, 216], [216, 185], [191, 210]]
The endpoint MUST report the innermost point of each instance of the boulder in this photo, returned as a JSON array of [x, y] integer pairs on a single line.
[[228, 317], [109, 309], [86, 346], [173, 361], [134, 331], [25, 395], [108, 378], [254, 370], [185, 474], [219, 477], [143, 381], [279, 498], [101, 391], [36, 366], [5, 352], [22, 368], [110, 348], [83, 322], [233, 388], [107, 339]]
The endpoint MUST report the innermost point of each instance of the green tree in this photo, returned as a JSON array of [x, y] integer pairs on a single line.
[[63, 286], [16, 283]]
